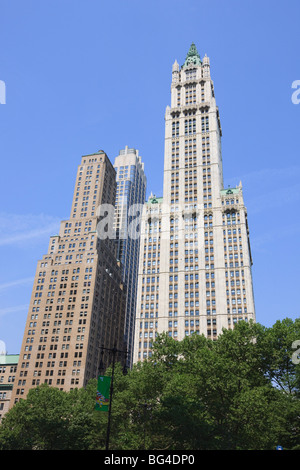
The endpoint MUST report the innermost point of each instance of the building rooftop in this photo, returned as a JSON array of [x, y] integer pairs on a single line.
[[6, 359], [154, 200], [192, 57], [230, 191]]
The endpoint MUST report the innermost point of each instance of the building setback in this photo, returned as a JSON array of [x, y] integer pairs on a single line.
[[130, 198], [195, 260], [78, 297]]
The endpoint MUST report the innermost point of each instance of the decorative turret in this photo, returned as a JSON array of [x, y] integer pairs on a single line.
[[206, 67], [175, 72], [175, 67]]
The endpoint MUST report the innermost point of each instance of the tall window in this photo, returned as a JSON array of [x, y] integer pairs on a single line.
[[204, 124], [190, 126], [190, 74], [175, 128]]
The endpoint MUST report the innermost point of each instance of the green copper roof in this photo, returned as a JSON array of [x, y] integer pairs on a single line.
[[192, 57], [6, 359], [230, 191], [155, 200]]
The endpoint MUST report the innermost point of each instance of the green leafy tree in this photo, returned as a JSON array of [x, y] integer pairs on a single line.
[[238, 392], [50, 419], [276, 348]]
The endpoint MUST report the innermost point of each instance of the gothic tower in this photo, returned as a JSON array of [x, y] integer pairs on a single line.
[[195, 260]]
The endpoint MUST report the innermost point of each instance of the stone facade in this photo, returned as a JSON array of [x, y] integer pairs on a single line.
[[78, 297], [195, 260]]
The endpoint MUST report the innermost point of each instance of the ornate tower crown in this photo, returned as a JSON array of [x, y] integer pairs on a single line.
[[192, 57]]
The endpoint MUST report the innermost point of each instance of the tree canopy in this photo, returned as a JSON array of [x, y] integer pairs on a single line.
[[239, 392]]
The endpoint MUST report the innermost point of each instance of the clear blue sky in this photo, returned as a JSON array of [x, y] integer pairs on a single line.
[[87, 75]]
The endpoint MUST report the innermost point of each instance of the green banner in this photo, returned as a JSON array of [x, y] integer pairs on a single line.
[[103, 389]]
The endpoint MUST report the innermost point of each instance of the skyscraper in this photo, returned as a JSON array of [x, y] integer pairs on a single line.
[[131, 193], [78, 298], [195, 259]]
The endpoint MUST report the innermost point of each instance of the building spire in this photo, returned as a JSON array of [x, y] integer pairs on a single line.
[[193, 56]]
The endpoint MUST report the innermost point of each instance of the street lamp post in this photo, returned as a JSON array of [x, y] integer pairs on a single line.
[[114, 352]]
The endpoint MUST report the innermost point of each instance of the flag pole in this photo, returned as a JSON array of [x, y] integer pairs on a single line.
[[114, 350]]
